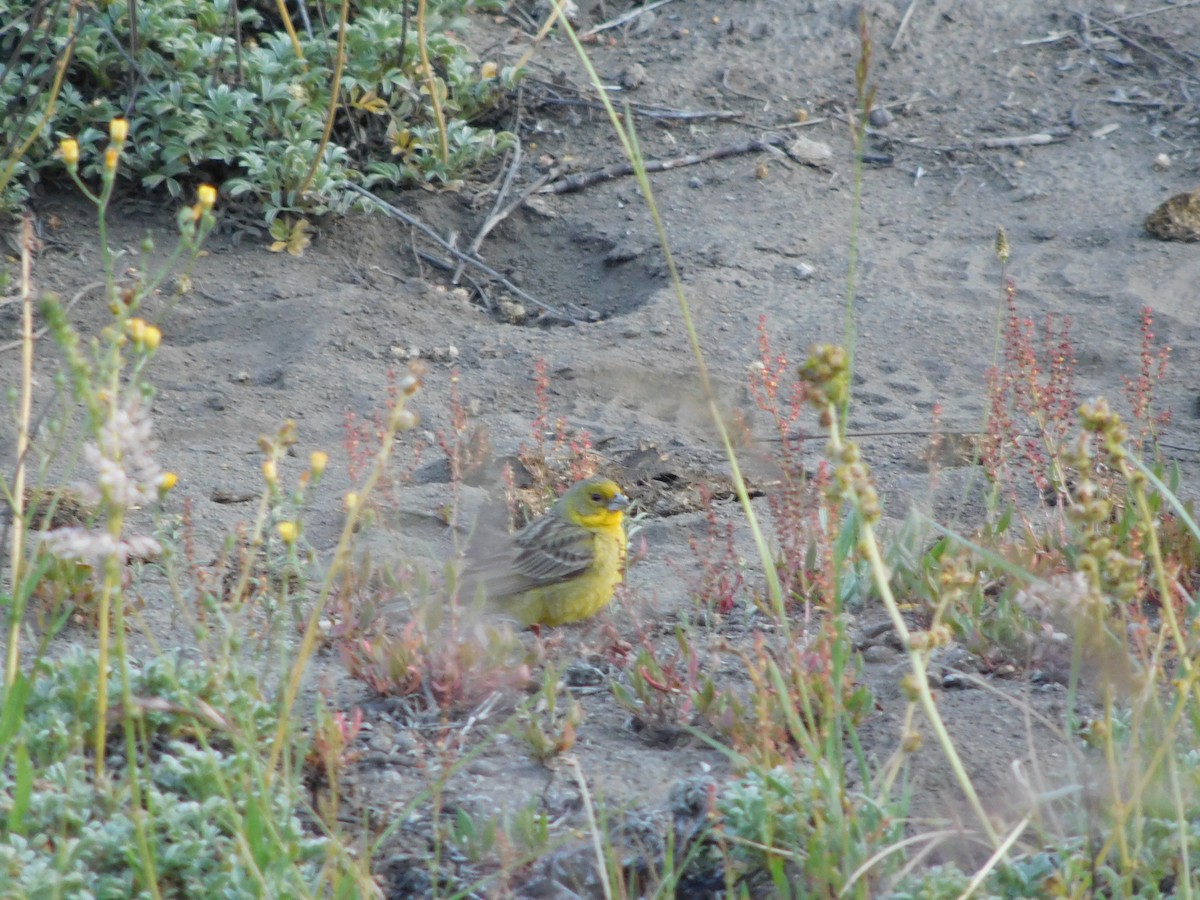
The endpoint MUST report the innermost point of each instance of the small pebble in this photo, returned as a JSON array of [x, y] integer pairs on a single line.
[[1162, 162], [878, 653], [633, 77], [803, 271], [512, 311], [484, 767], [581, 674], [880, 117]]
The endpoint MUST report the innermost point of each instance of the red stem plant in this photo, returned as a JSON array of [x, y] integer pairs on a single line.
[[1031, 402], [1152, 368], [804, 560]]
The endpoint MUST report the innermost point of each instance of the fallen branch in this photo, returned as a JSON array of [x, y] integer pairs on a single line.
[[581, 180], [625, 17], [1024, 140], [648, 112], [412, 221]]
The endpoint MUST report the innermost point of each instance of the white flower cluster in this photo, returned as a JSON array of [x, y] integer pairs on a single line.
[[1060, 596], [92, 546], [126, 477]]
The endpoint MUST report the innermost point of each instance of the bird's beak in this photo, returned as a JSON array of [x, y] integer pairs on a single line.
[[619, 501]]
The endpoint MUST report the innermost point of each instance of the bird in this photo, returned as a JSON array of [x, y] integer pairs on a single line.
[[564, 565]]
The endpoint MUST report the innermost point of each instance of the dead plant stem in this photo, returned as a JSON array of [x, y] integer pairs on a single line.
[[869, 547], [628, 139], [334, 92], [431, 82], [24, 414]]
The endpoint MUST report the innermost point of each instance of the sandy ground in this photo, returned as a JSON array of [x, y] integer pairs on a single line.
[[263, 337]]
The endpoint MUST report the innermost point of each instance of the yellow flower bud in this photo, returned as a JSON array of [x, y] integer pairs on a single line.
[[350, 500], [288, 531], [111, 157], [167, 481], [69, 147], [488, 70], [206, 197], [118, 130], [270, 472], [137, 331], [152, 338], [317, 461]]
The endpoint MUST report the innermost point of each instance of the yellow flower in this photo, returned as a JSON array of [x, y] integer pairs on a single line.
[[350, 500], [137, 330], [111, 157], [270, 472], [69, 147], [167, 481], [144, 336], [488, 70], [206, 197], [317, 461], [563, 566], [288, 531], [118, 130]]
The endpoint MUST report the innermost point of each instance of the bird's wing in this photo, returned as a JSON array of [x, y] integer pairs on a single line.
[[548, 551], [552, 549]]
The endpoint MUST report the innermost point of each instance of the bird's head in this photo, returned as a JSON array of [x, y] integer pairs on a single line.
[[594, 502]]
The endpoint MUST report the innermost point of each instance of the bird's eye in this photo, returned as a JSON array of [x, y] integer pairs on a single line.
[[597, 497]]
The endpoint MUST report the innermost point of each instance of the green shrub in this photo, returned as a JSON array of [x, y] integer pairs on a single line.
[[201, 739], [217, 91]]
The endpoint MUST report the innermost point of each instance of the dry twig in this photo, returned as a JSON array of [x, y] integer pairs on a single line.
[[469, 259], [581, 180]]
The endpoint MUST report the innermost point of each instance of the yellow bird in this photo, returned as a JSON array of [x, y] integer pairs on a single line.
[[562, 566]]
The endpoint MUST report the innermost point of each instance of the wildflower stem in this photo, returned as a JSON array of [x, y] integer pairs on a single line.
[[869, 547], [60, 72], [334, 91], [865, 95], [435, 102], [24, 413], [341, 556], [628, 139], [102, 627]]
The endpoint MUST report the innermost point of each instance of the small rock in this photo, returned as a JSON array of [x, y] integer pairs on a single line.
[[512, 311], [544, 9], [484, 767], [1177, 219], [803, 271], [644, 22], [880, 117], [878, 653], [540, 206], [633, 77], [382, 743], [696, 182], [581, 674], [953, 681], [624, 252], [1162, 162], [813, 153]]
